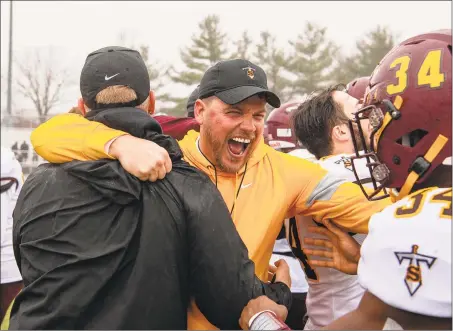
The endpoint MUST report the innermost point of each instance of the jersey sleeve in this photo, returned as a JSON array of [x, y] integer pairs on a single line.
[[68, 137], [323, 195]]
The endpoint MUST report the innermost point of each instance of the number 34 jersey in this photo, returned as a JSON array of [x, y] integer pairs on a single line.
[[331, 293], [406, 258]]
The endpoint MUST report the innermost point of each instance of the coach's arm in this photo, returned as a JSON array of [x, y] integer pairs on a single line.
[[222, 276]]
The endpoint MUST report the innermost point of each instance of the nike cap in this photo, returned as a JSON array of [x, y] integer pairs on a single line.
[[233, 81], [114, 65]]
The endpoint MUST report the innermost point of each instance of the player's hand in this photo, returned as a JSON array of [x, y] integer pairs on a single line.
[[260, 304], [280, 271], [340, 248], [141, 158]]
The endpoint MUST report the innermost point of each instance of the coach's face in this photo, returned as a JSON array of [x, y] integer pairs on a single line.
[[230, 133]]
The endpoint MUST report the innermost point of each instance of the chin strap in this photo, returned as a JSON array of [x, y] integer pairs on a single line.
[[419, 167]]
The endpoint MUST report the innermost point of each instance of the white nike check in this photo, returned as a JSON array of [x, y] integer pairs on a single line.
[[108, 78], [245, 186]]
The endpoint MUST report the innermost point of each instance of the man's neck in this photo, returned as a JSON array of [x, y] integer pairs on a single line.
[[205, 150], [342, 149]]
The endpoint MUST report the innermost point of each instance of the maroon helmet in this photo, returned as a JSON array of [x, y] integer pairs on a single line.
[[176, 127], [278, 129], [356, 88], [408, 105], [266, 134]]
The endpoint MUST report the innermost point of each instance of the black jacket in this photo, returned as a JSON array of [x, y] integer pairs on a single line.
[[100, 249]]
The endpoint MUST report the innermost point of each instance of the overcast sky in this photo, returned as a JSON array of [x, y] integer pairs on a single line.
[[76, 28]]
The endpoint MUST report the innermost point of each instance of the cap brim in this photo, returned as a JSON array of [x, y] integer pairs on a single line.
[[240, 93]]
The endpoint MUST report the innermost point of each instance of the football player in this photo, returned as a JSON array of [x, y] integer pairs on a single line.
[[321, 124], [408, 104], [405, 262]]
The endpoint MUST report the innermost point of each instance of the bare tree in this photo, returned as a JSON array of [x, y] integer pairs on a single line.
[[40, 82]]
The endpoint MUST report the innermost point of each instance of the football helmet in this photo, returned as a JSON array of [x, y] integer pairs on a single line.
[[408, 105], [278, 131], [357, 87]]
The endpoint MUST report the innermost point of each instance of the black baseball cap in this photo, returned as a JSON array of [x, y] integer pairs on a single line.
[[233, 81], [114, 65], [191, 101]]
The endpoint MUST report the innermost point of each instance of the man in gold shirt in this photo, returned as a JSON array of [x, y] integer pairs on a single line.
[[260, 186]]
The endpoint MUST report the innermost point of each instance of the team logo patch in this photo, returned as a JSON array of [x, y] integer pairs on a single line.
[[346, 162], [250, 72], [413, 278]]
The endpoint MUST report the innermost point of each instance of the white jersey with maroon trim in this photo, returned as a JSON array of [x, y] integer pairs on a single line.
[[331, 293], [11, 172], [406, 258]]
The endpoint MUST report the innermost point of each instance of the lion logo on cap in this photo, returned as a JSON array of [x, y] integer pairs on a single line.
[[250, 72]]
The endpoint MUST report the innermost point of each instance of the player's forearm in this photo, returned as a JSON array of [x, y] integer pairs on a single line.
[[351, 321], [69, 137], [370, 314], [355, 320]]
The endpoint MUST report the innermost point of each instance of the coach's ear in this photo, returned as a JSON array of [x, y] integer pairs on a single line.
[[199, 111], [81, 106], [151, 103]]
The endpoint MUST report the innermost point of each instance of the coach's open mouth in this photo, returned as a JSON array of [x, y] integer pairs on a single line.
[[238, 146]]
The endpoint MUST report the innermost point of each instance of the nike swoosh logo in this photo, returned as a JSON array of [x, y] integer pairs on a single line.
[[245, 186], [108, 78]]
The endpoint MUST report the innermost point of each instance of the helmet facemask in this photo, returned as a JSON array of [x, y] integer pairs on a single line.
[[407, 145], [379, 172], [380, 115]]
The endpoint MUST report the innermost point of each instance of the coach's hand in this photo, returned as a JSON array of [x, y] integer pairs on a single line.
[[141, 158], [281, 272], [257, 305]]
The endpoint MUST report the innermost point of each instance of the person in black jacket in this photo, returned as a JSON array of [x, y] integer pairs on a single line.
[[100, 249]]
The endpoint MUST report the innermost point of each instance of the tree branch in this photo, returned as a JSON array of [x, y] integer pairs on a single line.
[[40, 83]]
